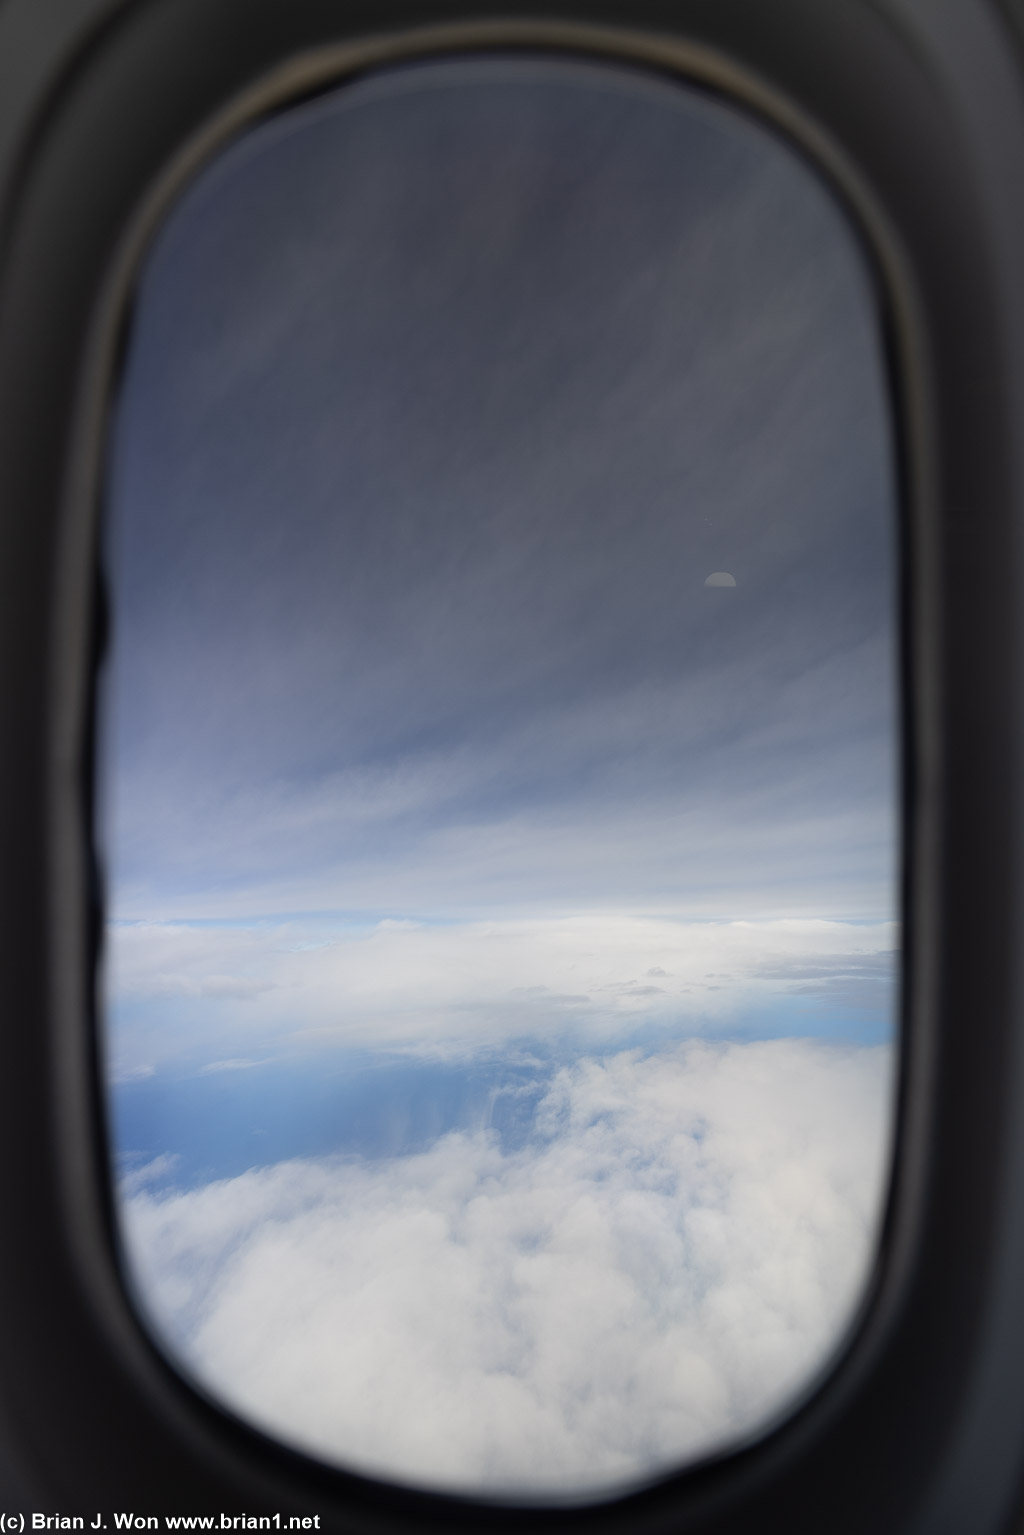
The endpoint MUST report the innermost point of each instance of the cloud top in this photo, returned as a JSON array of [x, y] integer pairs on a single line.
[[672, 1257]]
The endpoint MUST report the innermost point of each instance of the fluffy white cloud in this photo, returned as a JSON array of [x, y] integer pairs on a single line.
[[673, 1256]]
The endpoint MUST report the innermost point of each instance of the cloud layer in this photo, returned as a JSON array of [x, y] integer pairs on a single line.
[[185, 993], [675, 1253]]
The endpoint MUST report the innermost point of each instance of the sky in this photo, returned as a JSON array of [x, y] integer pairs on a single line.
[[484, 887]]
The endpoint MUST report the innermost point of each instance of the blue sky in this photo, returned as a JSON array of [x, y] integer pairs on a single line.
[[435, 780]]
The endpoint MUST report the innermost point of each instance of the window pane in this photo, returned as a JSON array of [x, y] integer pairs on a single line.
[[498, 777]]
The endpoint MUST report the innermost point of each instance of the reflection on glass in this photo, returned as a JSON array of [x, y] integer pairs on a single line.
[[498, 764]]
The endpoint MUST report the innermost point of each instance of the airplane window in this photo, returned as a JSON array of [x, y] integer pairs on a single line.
[[498, 803]]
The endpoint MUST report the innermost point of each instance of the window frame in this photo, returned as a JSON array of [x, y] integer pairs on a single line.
[[915, 115]]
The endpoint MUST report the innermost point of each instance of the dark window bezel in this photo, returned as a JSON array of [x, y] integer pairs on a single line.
[[130, 100]]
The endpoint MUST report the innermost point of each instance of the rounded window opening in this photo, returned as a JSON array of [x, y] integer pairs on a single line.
[[498, 777]]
